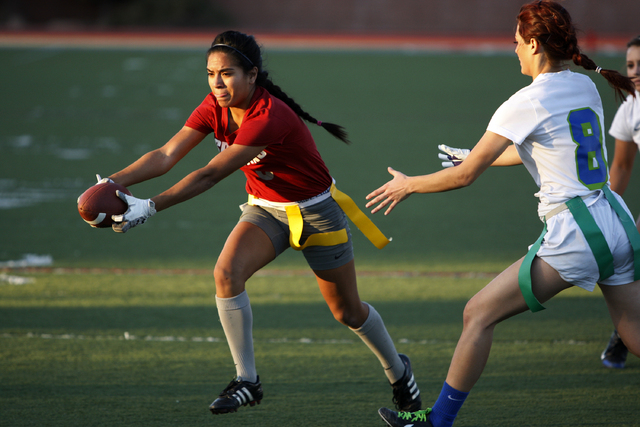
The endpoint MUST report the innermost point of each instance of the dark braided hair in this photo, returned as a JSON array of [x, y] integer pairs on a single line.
[[248, 54], [550, 24]]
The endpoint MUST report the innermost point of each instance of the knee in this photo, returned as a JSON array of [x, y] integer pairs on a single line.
[[474, 316], [228, 283], [351, 317]]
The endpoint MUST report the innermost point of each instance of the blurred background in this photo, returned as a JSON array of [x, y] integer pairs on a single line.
[[596, 18], [89, 85]]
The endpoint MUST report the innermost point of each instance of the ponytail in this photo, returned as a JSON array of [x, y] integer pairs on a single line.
[[336, 130], [617, 81]]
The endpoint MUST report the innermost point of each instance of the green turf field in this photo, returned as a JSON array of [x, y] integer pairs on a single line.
[[123, 345]]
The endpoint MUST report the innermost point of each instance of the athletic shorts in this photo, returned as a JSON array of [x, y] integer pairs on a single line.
[[321, 217], [566, 250]]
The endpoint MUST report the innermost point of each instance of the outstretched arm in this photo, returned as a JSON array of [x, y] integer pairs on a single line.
[[161, 160], [483, 155], [455, 156], [158, 162], [622, 165], [199, 181], [509, 157]]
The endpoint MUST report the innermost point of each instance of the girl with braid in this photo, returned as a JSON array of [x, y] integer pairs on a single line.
[[293, 202], [554, 127]]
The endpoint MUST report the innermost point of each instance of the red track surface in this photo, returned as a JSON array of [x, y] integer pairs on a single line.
[[287, 41]]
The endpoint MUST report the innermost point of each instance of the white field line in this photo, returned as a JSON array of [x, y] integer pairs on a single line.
[[126, 336], [262, 273]]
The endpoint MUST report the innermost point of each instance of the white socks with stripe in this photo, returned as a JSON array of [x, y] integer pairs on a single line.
[[237, 322], [375, 336]]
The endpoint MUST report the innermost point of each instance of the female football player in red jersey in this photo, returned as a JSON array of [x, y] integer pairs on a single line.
[[292, 202]]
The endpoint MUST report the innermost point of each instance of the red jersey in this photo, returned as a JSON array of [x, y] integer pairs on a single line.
[[290, 168]]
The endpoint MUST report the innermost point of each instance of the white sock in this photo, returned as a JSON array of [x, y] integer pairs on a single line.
[[237, 322], [375, 336]]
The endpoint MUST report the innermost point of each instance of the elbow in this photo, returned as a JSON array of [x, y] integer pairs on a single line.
[[465, 180]]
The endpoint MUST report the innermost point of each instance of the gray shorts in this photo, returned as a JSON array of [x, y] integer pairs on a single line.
[[321, 217]]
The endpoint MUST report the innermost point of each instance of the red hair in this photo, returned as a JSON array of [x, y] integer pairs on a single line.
[[550, 24]]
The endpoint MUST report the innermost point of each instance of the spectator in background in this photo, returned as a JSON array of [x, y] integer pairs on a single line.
[[625, 128]]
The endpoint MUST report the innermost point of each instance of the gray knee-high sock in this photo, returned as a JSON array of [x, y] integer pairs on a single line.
[[237, 322], [375, 336]]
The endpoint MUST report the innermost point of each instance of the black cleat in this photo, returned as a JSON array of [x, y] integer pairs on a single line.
[[238, 393], [615, 355], [406, 394], [405, 419]]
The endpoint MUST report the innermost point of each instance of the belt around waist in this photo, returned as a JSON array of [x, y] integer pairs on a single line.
[[348, 206]]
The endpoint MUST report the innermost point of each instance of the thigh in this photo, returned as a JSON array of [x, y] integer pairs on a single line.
[[247, 250], [324, 217], [623, 302], [502, 297]]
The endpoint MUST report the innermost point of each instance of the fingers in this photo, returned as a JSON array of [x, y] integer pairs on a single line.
[[444, 148], [389, 195], [374, 194], [122, 196], [382, 199], [120, 227], [102, 180]]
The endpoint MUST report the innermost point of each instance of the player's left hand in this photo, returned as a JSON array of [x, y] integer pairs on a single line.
[[392, 193], [102, 180], [138, 212], [453, 156]]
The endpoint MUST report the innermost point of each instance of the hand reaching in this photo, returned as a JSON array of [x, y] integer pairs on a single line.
[[391, 193]]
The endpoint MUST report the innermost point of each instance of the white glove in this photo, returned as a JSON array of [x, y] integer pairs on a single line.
[[454, 156], [138, 212], [102, 180]]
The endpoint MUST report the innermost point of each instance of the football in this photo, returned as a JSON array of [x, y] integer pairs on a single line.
[[98, 203]]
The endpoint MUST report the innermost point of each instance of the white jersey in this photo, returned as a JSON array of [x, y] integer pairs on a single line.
[[556, 124], [626, 122]]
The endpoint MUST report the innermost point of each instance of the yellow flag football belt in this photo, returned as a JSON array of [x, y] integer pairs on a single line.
[[332, 238]]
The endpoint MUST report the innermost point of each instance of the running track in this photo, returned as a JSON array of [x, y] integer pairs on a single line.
[[200, 40]]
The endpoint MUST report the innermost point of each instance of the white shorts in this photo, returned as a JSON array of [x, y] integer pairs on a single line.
[[566, 250]]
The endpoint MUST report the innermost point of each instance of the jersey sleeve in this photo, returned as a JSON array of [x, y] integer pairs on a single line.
[[515, 119], [621, 128], [201, 119]]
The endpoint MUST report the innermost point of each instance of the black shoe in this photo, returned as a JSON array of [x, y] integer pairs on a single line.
[[238, 393], [615, 355], [406, 394], [405, 419]]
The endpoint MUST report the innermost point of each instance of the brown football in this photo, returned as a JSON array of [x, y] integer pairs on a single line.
[[98, 203]]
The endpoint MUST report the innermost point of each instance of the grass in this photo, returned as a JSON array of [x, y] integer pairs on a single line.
[[65, 359], [105, 349]]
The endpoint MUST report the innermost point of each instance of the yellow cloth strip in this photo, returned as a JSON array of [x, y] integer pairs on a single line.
[[364, 224], [331, 238]]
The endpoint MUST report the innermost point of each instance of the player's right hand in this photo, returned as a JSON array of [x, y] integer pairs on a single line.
[[137, 213], [453, 156]]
